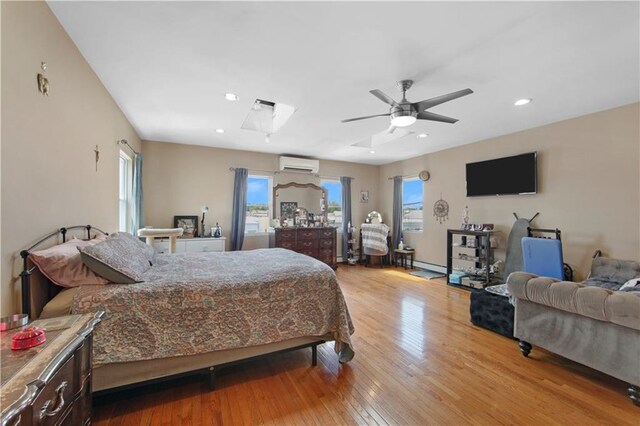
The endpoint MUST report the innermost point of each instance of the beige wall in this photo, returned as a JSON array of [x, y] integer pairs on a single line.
[[49, 178], [179, 179], [588, 187]]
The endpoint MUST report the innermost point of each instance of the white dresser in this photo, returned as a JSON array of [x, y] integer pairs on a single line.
[[191, 245]]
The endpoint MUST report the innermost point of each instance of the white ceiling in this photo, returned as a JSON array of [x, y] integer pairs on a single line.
[[169, 64]]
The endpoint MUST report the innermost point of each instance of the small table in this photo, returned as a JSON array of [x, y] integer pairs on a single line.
[[402, 254]]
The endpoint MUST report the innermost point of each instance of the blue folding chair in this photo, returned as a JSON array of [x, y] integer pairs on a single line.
[[543, 257]]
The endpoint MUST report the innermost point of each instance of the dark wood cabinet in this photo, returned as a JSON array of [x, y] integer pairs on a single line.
[[319, 243], [50, 384]]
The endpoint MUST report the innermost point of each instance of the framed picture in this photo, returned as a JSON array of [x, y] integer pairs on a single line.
[[364, 196], [189, 224], [288, 209]]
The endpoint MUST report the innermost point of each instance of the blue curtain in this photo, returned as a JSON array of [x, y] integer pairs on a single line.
[[345, 181], [397, 211], [137, 206], [239, 215]]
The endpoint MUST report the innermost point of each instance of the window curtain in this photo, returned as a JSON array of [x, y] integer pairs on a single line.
[[397, 211], [345, 181], [137, 206], [239, 215]]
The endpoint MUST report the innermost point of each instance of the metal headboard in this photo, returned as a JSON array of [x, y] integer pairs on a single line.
[[25, 275]]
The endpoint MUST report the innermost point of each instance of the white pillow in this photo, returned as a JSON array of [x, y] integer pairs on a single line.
[[631, 283]]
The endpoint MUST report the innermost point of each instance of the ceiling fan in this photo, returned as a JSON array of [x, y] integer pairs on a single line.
[[405, 113]]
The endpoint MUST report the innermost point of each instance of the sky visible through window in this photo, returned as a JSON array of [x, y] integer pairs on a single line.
[[412, 199], [411, 191], [257, 190], [258, 213], [334, 202], [334, 191]]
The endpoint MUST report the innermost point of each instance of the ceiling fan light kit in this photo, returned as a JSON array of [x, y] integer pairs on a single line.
[[403, 120], [405, 113]]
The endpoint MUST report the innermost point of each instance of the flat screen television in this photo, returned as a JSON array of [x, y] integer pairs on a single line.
[[502, 176]]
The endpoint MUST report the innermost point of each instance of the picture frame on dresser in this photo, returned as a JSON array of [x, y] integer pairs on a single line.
[[288, 209], [189, 225]]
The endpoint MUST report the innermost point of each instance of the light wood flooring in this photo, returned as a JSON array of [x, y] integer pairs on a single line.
[[418, 361]]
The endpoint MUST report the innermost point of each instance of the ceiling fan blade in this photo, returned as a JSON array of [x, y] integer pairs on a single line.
[[435, 117], [365, 143], [429, 103], [386, 136], [383, 97], [391, 134], [364, 118]]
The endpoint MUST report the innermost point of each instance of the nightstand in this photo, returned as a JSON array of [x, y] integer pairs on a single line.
[[49, 383]]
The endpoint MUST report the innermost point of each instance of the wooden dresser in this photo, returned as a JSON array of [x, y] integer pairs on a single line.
[[319, 243], [49, 384]]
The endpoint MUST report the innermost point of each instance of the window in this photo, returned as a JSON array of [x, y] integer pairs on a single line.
[[412, 204], [334, 201], [124, 196], [258, 204]]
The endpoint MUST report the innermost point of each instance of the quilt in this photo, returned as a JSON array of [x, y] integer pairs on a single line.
[[192, 303]]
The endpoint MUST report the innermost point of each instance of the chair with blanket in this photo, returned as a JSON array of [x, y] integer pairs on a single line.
[[374, 241]]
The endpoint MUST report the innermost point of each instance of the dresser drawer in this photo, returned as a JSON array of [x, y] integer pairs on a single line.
[[288, 235], [291, 245], [161, 246], [327, 233], [326, 256], [307, 244], [313, 252], [82, 358], [52, 404], [198, 246], [82, 409], [325, 243], [307, 234]]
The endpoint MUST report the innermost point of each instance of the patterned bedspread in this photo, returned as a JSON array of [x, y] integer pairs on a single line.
[[195, 303]]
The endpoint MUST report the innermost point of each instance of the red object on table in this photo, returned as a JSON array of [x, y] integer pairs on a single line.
[[28, 338]]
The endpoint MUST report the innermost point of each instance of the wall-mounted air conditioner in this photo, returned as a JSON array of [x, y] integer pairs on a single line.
[[293, 164]]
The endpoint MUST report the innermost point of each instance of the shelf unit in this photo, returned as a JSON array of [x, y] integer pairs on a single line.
[[480, 255], [352, 247]]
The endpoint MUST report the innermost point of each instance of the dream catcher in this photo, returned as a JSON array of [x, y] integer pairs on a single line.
[[441, 210]]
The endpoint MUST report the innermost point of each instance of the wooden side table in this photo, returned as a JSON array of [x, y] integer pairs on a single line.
[[403, 254]]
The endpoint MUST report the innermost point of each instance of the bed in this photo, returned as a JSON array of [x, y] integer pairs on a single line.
[[196, 312]]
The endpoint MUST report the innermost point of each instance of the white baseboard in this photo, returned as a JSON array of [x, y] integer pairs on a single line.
[[419, 264], [430, 267]]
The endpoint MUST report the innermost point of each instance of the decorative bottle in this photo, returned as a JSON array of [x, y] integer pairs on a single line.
[[217, 231]]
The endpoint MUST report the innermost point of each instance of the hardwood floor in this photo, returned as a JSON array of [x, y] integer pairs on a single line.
[[418, 361]]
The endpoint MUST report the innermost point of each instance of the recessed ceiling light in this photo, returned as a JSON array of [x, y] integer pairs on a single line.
[[267, 138], [219, 130], [231, 97], [521, 102], [372, 152], [422, 135]]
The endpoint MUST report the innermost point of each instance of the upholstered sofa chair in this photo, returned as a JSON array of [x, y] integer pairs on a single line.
[[589, 322]]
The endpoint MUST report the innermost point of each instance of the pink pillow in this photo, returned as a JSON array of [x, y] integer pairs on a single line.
[[62, 264]]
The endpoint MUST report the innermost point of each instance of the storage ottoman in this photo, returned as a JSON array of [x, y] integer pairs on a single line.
[[492, 311]]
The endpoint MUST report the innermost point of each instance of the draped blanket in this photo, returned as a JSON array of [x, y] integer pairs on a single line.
[[374, 237], [193, 303]]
